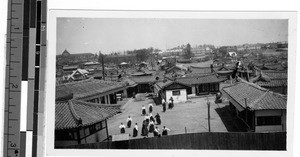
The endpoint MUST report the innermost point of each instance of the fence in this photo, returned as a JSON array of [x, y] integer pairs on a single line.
[[222, 141]]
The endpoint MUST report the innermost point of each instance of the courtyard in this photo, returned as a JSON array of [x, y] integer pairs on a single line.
[[186, 117]]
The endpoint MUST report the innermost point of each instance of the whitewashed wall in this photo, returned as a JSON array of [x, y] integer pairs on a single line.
[[177, 98]]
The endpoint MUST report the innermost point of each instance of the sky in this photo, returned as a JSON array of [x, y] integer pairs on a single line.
[[91, 35]]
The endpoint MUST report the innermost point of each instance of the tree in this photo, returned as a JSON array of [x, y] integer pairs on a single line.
[[187, 51]]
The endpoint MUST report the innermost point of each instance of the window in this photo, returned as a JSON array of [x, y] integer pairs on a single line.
[[92, 129], [98, 126], [176, 92], [269, 120]]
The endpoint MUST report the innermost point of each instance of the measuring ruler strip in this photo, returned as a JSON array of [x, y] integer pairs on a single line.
[[13, 78]]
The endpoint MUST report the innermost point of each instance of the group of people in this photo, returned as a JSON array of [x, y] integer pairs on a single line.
[[148, 124], [150, 108], [170, 104]]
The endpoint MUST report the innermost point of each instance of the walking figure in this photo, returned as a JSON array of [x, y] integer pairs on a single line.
[[135, 130], [165, 131], [158, 120], [151, 126], [129, 122], [150, 108], [164, 105], [122, 128], [156, 132], [151, 118], [143, 110]]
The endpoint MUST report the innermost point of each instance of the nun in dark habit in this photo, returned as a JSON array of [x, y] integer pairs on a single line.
[[143, 110], [145, 128], [151, 126], [135, 130], [129, 122], [158, 120], [122, 128]]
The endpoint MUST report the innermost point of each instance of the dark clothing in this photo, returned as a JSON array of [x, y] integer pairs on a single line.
[[135, 132], [164, 107], [122, 130], [145, 129], [143, 111], [164, 132], [155, 133], [151, 118], [158, 119], [169, 105], [150, 109], [129, 124], [151, 128]]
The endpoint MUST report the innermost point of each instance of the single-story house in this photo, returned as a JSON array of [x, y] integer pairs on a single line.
[[80, 122], [93, 90], [262, 110], [232, 54], [69, 68], [144, 83], [275, 81], [203, 84], [77, 75], [168, 88]]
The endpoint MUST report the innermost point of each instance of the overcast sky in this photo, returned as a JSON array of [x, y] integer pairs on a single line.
[[81, 35]]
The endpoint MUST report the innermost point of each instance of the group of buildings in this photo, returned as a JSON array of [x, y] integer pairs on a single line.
[[86, 101]]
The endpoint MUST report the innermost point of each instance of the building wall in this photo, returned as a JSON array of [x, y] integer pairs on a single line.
[[177, 98], [271, 128], [96, 137], [59, 144]]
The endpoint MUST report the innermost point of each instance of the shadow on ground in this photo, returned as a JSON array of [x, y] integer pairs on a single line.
[[231, 122]]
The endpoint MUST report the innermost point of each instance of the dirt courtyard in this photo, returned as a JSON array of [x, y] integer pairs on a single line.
[[189, 117]]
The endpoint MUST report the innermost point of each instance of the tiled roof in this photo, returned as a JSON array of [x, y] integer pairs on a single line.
[[143, 79], [203, 70], [163, 84], [89, 87], [200, 79], [68, 114], [70, 67], [269, 78], [257, 98]]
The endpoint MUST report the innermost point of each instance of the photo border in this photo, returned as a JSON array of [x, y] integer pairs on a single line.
[[50, 77]]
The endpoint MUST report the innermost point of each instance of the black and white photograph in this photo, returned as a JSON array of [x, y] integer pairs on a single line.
[[171, 83]]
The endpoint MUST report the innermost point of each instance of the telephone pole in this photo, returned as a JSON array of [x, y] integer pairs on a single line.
[[102, 64], [208, 114]]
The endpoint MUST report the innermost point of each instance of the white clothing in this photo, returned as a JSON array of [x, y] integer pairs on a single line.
[[122, 126], [129, 119]]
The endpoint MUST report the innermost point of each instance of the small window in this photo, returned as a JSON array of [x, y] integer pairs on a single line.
[[98, 126], [269, 120], [176, 92]]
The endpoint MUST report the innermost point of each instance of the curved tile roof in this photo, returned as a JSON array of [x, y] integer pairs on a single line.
[[74, 113], [257, 98]]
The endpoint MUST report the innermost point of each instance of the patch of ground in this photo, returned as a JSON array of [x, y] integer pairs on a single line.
[[190, 117]]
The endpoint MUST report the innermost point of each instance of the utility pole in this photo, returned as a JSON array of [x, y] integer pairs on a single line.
[[102, 63], [246, 111], [208, 114]]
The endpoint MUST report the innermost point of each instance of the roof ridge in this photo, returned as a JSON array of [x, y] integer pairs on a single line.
[[70, 83], [73, 112], [96, 104], [254, 85]]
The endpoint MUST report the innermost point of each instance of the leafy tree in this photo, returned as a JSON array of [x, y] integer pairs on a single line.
[[187, 51]]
